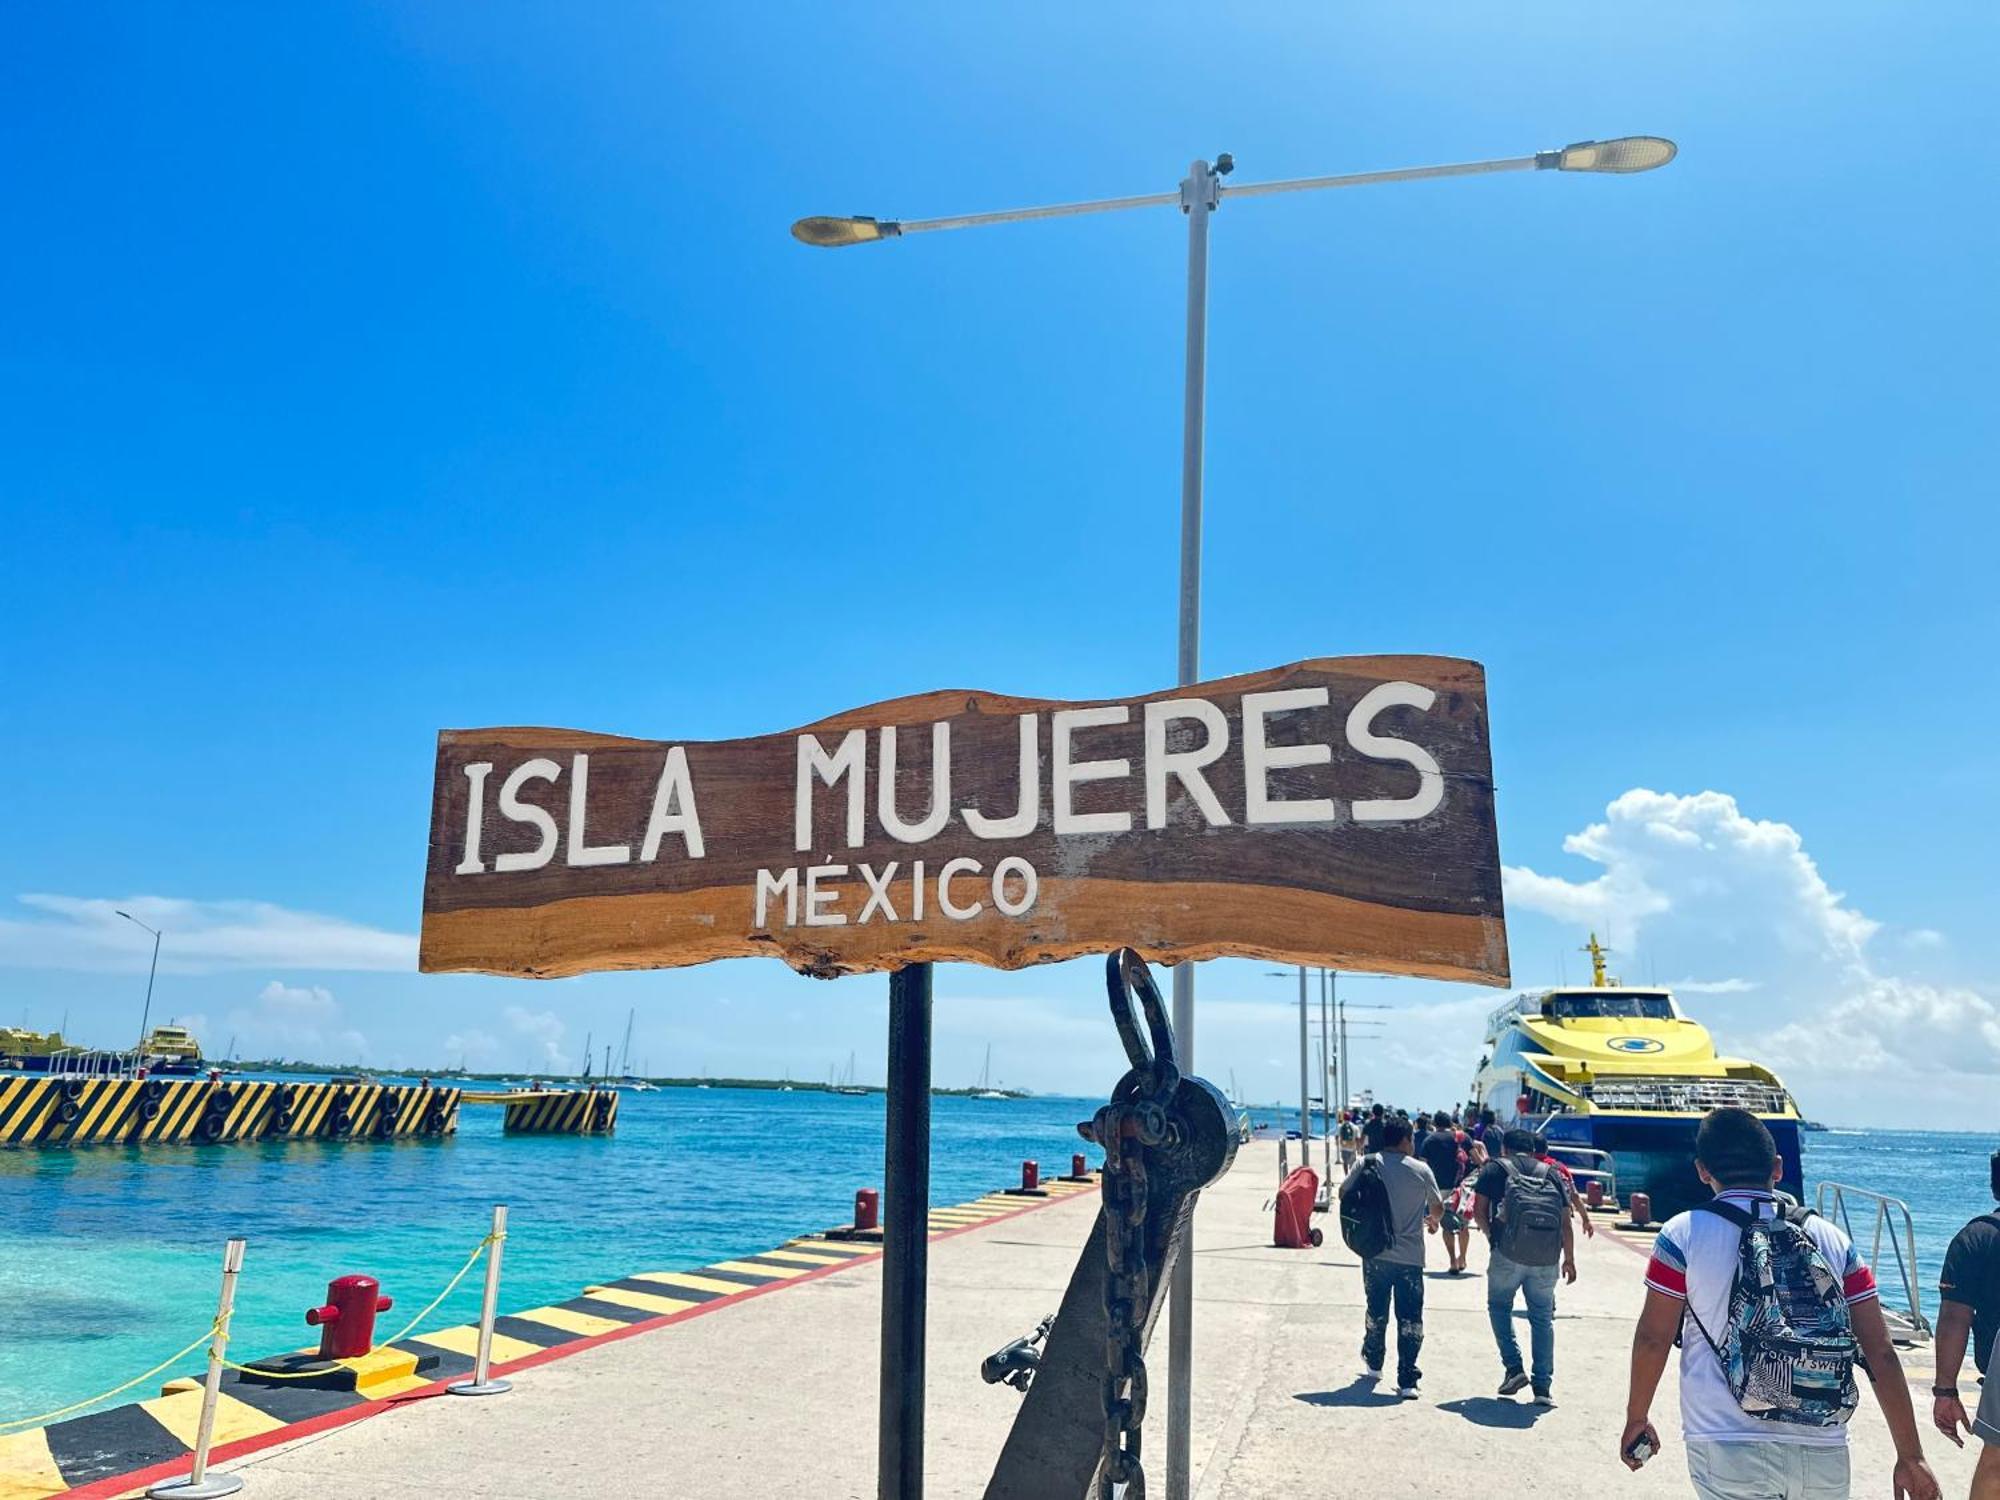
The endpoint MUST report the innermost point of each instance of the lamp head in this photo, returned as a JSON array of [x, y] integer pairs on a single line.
[[831, 232], [1629, 153]]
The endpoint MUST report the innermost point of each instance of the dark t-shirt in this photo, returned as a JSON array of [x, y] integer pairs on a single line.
[[1972, 1277], [1440, 1152], [1371, 1134]]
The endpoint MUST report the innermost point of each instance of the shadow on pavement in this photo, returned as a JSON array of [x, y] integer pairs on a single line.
[[1495, 1411], [1361, 1393]]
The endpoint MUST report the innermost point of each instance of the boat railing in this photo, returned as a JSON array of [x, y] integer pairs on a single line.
[[1684, 1095], [1891, 1223]]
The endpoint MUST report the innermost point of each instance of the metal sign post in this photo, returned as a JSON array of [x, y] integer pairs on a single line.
[[906, 1179]]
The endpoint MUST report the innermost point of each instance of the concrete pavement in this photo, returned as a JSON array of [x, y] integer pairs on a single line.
[[777, 1395]]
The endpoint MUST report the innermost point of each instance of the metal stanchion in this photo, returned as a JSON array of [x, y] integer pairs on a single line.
[[200, 1484], [482, 1382]]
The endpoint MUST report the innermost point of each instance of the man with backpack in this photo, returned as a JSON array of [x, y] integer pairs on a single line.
[[1522, 1206], [1969, 1311], [1774, 1311], [1386, 1204]]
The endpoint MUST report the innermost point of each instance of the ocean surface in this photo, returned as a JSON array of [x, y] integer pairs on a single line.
[[110, 1257]]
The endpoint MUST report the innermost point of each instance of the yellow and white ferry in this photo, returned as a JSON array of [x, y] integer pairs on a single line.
[[1619, 1069]]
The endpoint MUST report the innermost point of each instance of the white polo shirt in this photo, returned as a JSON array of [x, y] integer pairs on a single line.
[[1694, 1262]]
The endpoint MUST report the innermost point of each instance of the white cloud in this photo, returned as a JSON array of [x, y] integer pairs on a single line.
[[200, 937], [293, 1021], [1896, 1028], [477, 1047], [543, 1031], [1734, 880], [1692, 878]]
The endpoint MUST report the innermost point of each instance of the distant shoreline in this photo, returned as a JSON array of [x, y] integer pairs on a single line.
[[453, 1075]]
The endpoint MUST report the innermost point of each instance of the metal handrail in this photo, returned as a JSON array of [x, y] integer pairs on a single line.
[[1904, 1246], [1606, 1172]]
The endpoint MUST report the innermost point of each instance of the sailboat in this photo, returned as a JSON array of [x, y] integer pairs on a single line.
[[625, 1078], [986, 1089], [846, 1085]]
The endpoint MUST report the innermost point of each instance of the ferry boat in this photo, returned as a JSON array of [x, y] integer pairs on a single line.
[[170, 1050], [1619, 1069]]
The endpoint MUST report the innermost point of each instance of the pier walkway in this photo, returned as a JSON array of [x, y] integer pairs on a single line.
[[776, 1395]]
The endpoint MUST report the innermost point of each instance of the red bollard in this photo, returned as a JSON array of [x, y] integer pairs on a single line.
[[1076, 1165], [347, 1322], [1593, 1193], [1641, 1209], [1031, 1182], [867, 1208]]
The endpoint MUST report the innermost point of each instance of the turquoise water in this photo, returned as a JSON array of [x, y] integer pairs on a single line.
[[109, 1257]]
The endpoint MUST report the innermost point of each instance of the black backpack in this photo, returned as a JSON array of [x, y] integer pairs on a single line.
[[1531, 1215], [1366, 1223]]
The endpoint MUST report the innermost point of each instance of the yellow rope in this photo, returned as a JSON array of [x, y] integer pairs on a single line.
[[117, 1390], [471, 1260]]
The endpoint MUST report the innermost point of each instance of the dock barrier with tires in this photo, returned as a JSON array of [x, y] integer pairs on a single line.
[[201, 1111]]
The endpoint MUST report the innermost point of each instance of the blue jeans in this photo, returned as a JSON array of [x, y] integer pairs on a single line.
[[1538, 1283], [1382, 1280]]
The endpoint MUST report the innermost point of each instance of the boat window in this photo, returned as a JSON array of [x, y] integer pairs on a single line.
[[1589, 1006]]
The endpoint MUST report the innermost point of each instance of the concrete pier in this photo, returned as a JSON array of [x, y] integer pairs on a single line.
[[776, 1395]]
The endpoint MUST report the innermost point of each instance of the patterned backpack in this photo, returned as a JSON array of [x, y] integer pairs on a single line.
[[1789, 1351]]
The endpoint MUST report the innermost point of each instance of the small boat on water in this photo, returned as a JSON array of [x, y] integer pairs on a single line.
[[1620, 1069], [985, 1090], [845, 1084]]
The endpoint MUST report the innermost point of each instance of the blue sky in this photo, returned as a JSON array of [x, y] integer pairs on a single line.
[[370, 370]]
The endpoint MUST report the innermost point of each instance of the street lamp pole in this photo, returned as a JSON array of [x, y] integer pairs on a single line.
[[146, 1014], [1198, 201], [1199, 195]]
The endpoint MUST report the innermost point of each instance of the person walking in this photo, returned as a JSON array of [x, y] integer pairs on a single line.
[[1394, 1273], [1371, 1129], [1446, 1151], [1969, 1310], [1522, 1207], [1348, 1136], [1761, 1419]]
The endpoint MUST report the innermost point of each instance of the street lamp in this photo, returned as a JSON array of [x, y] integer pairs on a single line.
[[1203, 190], [146, 1014]]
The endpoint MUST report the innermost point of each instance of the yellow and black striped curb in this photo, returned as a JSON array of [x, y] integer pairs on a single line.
[[567, 1112], [127, 1439], [155, 1111]]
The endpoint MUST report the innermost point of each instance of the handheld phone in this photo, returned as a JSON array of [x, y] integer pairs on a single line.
[[1640, 1449]]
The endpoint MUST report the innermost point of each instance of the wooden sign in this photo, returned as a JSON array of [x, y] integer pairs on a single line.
[[1335, 812]]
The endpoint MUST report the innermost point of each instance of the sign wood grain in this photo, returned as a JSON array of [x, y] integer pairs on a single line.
[[1333, 812]]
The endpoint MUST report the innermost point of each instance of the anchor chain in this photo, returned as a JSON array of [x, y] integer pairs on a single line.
[[1134, 1124]]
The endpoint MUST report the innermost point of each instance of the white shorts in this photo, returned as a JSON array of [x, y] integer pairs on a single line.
[[1768, 1471]]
